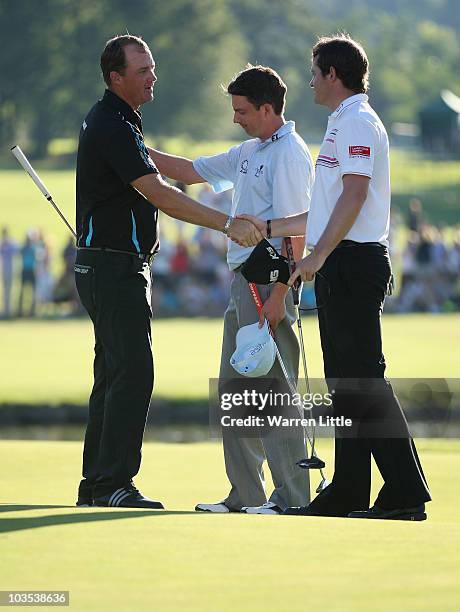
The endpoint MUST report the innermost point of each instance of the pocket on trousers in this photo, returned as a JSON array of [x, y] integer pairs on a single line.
[[365, 275], [84, 280]]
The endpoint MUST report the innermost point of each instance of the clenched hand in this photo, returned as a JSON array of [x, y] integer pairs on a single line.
[[307, 268], [244, 233]]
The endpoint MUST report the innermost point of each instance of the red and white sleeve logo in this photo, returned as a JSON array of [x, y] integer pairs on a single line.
[[359, 151]]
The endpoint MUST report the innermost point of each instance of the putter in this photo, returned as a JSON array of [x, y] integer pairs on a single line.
[[22, 159], [313, 462]]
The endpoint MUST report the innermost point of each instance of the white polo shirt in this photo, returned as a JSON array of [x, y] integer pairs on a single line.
[[271, 178], [356, 142]]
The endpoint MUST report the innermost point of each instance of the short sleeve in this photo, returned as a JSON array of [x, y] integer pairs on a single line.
[[356, 146], [292, 187], [126, 153], [219, 170]]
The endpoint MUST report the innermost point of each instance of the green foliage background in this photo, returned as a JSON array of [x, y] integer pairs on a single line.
[[51, 53]]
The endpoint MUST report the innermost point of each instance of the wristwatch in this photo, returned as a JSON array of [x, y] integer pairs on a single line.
[[227, 225]]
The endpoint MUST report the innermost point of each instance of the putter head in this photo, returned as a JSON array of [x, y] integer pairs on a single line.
[[311, 463], [322, 485]]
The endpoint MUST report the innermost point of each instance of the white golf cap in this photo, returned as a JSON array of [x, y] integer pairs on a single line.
[[255, 351]]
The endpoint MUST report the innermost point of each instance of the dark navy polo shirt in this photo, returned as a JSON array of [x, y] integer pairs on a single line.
[[112, 154]]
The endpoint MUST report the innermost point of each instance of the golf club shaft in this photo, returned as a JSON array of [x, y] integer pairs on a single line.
[[296, 298], [27, 166], [259, 304]]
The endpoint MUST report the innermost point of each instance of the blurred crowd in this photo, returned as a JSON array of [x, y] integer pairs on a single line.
[[191, 278], [429, 266], [26, 267]]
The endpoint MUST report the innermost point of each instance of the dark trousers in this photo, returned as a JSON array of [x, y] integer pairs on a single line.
[[115, 290], [352, 286]]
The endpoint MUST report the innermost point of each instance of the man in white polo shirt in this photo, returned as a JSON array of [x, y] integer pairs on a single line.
[[272, 176], [347, 233]]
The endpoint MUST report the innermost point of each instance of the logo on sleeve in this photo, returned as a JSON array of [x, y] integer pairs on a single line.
[[359, 151]]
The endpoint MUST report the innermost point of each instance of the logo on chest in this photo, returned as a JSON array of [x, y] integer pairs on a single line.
[[244, 166], [259, 171]]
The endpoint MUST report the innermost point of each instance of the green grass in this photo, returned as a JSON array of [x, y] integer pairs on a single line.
[[51, 361], [181, 560]]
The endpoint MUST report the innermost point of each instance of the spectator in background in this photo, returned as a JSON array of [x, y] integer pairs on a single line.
[[414, 218], [44, 280], [28, 278], [180, 261], [8, 250]]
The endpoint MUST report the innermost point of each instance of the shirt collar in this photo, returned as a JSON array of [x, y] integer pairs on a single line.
[[286, 128], [348, 102], [122, 107]]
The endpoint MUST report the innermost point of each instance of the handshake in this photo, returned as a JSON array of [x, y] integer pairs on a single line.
[[247, 231]]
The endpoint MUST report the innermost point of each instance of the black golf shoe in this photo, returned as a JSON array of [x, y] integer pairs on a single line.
[[299, 511], [85, 494], [127, 497], [416, 513]]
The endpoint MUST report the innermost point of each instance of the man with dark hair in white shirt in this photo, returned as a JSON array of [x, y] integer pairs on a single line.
[[347, 234], [272, 175]]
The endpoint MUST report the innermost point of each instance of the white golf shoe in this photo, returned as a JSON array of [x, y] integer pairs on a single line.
[[267, 508], [219, 508]]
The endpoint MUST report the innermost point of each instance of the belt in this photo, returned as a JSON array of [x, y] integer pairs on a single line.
[[352, 243], [142, 256]]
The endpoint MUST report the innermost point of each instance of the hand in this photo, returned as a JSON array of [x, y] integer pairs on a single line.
[[274, 310], [307, 268], [244, 233], [261, 225]]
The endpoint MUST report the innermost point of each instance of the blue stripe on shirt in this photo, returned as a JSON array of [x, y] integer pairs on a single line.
[[134, 234], [90, 232]]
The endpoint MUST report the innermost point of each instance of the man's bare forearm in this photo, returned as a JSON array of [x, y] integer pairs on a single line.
[[175, 167], [289, 226], [179, 206]]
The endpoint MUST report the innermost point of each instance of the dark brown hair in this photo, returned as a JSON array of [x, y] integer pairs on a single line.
[[260, 85], [347, 57], [113, 56]]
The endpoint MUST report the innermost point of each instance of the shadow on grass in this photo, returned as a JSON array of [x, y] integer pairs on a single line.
[[89, 516], [19, 507]]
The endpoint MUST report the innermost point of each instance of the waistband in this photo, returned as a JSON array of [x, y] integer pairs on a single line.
[[142, 256], [351, 243]]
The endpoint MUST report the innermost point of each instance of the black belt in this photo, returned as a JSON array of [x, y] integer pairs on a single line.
[[352, 243], [142, 256]]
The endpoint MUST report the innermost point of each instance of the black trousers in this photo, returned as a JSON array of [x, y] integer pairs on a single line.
[[352, 286], [115, 290]]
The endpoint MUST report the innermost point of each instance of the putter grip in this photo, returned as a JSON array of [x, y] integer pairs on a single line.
[[22, 159]]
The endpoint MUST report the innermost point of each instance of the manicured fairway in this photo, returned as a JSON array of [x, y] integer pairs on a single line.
[[51, 361], [181, 560]]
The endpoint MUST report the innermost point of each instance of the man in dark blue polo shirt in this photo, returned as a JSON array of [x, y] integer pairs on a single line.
[[119, 192]]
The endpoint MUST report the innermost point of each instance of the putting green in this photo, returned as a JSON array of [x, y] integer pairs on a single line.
[[181, 560]]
